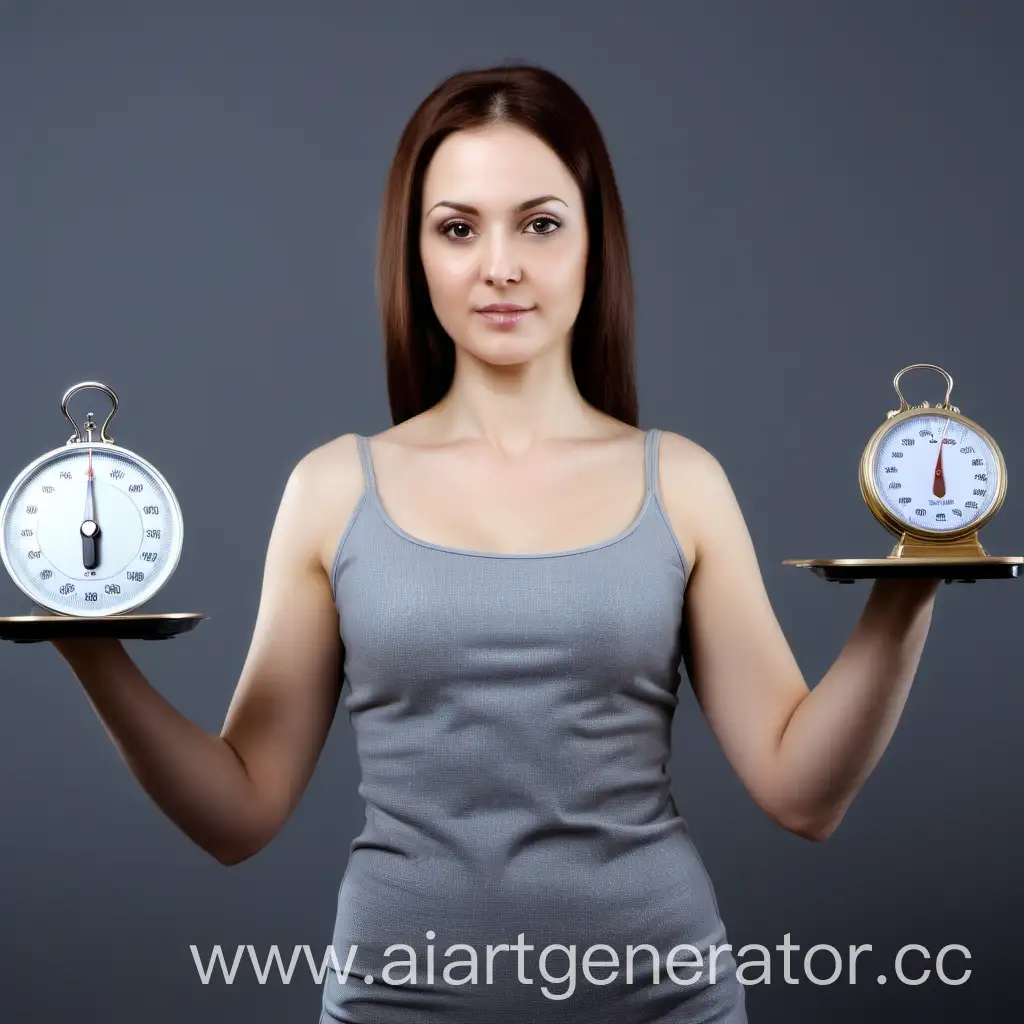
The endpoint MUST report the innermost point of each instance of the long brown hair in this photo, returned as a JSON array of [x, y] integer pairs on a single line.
[[419, 354]]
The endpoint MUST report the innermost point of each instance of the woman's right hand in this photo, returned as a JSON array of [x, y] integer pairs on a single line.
[[231, 793], [75, 649]]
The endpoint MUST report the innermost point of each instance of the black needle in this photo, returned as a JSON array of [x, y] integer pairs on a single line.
[[90, 529]]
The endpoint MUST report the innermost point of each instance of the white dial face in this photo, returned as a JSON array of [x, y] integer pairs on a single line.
[[90, 530], [935, 473]]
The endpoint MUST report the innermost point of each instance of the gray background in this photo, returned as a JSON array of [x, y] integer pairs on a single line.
[[817, 193]]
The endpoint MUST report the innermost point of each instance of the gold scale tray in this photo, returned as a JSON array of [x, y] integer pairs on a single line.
[[952, 570]]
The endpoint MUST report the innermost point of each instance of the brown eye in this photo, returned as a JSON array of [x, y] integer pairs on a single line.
[[545, 220], [450, 225]]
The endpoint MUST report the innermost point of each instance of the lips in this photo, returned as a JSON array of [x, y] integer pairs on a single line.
[[506, 315], [504, 307]]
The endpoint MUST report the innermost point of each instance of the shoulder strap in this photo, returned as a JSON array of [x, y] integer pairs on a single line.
[[367, 461], [651, 460]]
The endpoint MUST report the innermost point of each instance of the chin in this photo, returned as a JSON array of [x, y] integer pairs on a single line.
[[504, 351], [507, 347]]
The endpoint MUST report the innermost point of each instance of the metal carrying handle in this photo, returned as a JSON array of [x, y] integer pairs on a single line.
[[922, 366], [77, 437]]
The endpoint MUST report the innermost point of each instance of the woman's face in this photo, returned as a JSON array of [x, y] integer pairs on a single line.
[[503, 223]]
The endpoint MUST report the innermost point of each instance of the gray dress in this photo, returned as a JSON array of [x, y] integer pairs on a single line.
[[512, 716]]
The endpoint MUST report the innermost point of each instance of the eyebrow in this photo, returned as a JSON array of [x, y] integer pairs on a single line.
[[527, 205]]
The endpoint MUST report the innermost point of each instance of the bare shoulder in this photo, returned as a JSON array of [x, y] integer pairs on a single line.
[[330, 480], [693, 485]]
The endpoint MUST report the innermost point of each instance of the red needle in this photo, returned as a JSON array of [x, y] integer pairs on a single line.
[[89, 474], [939, 486]]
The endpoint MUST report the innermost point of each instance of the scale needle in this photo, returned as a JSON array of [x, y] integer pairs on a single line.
[[89, 529], [939, 484]]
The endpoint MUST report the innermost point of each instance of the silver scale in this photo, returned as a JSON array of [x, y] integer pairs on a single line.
[[91, 531]]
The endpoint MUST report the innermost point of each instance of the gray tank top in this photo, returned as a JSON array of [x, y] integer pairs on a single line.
[[512, 716]]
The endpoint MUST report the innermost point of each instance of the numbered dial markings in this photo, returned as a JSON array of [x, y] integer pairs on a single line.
[[935, 473], [91, 531]]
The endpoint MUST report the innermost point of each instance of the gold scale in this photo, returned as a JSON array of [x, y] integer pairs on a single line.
[[934, 478]]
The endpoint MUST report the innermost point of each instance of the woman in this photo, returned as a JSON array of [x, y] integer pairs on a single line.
[[510, 578]]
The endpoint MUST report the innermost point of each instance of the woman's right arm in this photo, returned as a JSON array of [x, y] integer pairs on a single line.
[[231, 793]]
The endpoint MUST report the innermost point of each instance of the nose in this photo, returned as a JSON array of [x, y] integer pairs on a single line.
[[499, 260]]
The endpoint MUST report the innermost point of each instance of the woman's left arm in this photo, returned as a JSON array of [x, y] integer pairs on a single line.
[[840, 729], [802, 754]]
